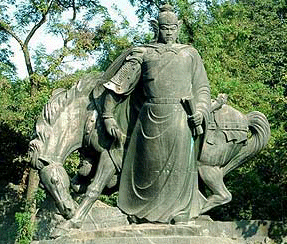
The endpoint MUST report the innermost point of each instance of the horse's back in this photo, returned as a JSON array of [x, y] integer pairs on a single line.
[[60, 128], [225, 136]]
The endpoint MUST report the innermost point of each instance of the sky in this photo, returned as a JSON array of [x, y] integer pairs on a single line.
[[53, 43]]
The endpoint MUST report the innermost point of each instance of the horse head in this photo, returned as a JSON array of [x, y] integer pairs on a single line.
[[56, 181]]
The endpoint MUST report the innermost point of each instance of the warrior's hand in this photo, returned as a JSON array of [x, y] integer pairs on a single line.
[[196, 119], [113, 128]]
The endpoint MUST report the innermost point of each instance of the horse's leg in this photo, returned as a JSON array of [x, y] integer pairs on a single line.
[[104, 174], [213, 178]]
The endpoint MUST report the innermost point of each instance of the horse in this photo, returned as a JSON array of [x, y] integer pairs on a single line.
[[68, 123], [227, 145], [71, 120]]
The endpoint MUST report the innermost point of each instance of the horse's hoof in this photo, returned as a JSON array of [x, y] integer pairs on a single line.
[[216, 200], [65, 228], [75, 224], [76, 187], [204, 218], [58, 232]]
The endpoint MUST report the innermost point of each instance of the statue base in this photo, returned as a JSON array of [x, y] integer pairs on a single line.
[[107, 224]]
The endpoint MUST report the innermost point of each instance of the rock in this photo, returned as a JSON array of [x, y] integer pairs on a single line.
[[107, 224]]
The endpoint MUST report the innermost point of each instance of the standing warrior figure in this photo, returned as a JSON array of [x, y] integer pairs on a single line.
[[159, 181]]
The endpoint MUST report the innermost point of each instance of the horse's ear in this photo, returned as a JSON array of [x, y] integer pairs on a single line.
[[55, 180]]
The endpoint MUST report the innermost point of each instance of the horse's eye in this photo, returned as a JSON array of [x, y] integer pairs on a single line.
[[54, 181]]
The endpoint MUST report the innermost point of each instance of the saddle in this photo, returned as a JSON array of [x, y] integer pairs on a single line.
[[229, 121], [226, 133]]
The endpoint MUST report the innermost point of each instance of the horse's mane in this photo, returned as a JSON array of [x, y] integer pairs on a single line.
[[61, 98]]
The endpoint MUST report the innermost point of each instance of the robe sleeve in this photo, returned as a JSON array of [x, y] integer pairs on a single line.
[[200, 87]]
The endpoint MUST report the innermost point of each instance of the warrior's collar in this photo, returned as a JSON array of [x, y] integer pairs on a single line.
[[162, 48]]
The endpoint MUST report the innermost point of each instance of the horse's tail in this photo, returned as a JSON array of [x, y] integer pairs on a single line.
[[260, 130]]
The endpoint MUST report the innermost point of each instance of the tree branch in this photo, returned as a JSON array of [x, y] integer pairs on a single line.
[[74, 11], [5, 27], [39, 24], [61, 57]]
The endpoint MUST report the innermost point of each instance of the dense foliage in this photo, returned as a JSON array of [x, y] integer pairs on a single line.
[[244, 47]]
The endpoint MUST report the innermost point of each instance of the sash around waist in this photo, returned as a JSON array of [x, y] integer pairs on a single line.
[[163, 100]]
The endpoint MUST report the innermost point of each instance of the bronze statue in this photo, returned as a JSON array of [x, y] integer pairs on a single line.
[[159, 177], [226, 146], [149, 120]]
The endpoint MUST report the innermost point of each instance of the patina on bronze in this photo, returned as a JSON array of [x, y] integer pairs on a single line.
[[148, 119], [159, 176], [159, 180]]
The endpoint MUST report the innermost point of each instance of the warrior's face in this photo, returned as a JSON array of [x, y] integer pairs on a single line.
[[168, 33]]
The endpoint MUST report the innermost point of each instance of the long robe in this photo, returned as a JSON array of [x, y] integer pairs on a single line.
[[159, 175]]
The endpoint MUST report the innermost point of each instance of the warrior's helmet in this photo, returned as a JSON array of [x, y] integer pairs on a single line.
[[167, 16]]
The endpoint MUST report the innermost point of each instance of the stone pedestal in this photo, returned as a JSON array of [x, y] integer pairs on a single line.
[[108, 225]]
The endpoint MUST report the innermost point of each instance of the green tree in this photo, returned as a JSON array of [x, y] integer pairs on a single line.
[[22, 19], [7, 68]]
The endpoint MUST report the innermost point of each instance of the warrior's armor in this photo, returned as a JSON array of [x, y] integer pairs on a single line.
[[159, 175]]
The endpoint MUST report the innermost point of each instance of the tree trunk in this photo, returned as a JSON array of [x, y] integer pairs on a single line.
[[33, 81], [33, 184]]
